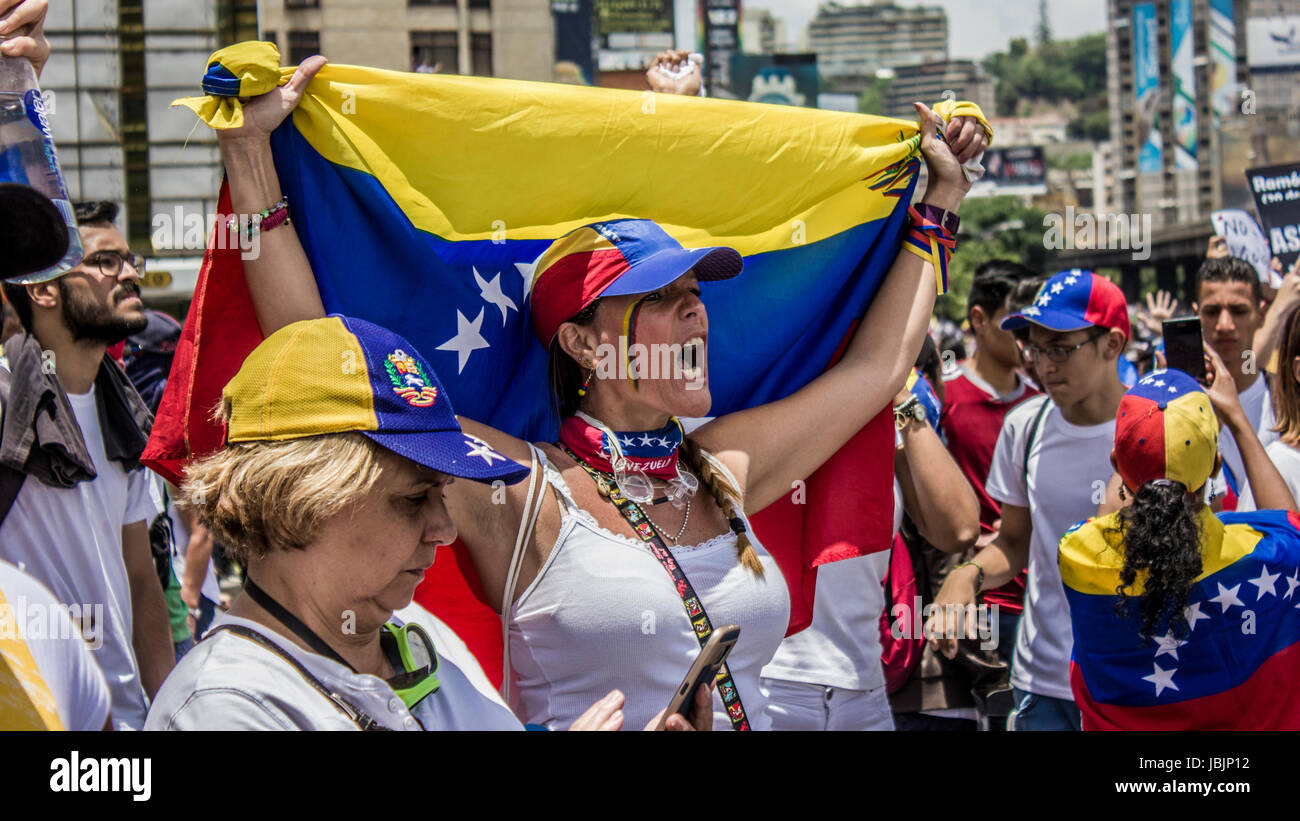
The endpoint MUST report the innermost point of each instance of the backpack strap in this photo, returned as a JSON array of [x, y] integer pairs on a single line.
[[11, 481], [1033, 434]]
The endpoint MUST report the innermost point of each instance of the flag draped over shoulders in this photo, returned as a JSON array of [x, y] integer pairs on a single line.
[[1235, 664], [423, 203]]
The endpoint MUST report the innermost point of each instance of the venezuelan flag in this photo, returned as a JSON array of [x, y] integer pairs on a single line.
[[425, 202], [1236, 665]]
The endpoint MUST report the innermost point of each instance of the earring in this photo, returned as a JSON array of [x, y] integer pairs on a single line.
[[582, 391]]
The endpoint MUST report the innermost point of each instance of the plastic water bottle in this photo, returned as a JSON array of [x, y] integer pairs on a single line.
[[27, 153]]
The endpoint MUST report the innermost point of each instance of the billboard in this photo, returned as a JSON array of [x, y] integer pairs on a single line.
[[1146, 84], [783, 79], [1223, 58], [1184, 77], [631, 32], [1017, 170], [719, 39], [1273, 42]]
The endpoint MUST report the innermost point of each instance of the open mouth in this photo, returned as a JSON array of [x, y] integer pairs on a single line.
[[691, 358]]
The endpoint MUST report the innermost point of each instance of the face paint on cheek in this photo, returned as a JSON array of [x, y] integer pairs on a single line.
[[629, 328]]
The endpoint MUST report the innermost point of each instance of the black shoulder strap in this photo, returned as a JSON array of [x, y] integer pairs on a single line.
[[1033, 433], [11, 481], [354, 714]]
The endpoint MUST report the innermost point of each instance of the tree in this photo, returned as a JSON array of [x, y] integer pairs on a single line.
[[872, 98], [991, 228], [1044, 29]]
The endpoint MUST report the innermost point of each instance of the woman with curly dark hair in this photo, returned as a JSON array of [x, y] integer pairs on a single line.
[[1178, 614]]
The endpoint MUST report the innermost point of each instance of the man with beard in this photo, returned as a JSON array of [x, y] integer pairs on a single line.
[[74, 428]]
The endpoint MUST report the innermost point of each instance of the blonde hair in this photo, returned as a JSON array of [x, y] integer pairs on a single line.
[[726, 495], [262, 496]]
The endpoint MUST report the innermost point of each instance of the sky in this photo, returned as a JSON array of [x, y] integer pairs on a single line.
[[975, 27]]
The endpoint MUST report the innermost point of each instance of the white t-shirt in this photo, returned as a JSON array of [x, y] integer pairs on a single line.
[[841, 648], [1257, 402], [1287, 461], [70, 539], [1069, 467], [30, 616], [227, 682]]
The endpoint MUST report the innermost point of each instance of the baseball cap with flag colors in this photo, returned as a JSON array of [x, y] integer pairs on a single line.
[[1073, 300], [341, 374], [615, 258], [1166, 429]]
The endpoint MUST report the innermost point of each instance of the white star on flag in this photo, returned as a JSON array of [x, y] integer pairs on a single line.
[[1057, 287], [646, 441], [491, 293], [1265, 579], [467, 339], [527, 270], [627, 441], [1162, 679], [1030, 311], [1043, 300], [477, 447], [1228, 597], [1292, 582], [1193, 614], [1071, 279], [1168, 645], [1160, 383], [1172, 389]]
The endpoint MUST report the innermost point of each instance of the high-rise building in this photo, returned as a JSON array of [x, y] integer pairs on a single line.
[[930, 82], [497, 38], [1174, 70], [762, 33], [853, 41]]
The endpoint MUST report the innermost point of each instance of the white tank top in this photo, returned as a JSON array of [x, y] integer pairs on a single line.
[[603, 614]]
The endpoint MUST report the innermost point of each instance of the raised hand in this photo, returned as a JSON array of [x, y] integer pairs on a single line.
[[23, 26], [674, 72], [263, 114]]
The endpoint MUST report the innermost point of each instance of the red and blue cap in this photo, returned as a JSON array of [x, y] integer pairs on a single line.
[[340, 374], [1073, 300], [1166, 429], [615, 258]]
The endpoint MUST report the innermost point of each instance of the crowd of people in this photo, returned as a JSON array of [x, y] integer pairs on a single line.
[[1056, 504]]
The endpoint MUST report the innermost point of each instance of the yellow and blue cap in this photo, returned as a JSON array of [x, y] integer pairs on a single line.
[[1166, 429], [341, 374]]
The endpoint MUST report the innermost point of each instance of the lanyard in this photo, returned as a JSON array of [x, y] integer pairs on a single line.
[[302, 631], [694, 607]]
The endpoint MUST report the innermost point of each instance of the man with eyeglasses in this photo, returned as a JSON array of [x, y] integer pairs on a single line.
[[1050, 469], [74, 428]]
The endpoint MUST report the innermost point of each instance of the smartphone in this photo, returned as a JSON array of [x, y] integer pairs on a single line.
[[703, 670], [1184, 346]]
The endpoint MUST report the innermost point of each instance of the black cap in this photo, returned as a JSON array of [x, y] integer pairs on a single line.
[[33, 235]]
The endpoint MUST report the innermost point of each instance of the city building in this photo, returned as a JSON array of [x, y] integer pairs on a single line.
[[1041, 130], [931, 82], [115, 69], [853, 41], [761, 33], [498, 38]]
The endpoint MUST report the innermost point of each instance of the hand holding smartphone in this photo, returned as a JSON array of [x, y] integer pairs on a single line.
[[1184, 346], [703, 670]]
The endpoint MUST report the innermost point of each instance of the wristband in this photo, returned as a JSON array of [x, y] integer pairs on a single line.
[[979, 580], [933, 213], [932, 243], [907, 411], [264, 220]]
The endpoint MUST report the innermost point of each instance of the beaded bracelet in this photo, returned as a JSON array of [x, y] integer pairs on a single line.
[[933, 243], [264, 220]]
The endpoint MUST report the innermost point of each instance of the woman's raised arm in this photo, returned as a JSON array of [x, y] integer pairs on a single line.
[[279, 277], [770, 447]]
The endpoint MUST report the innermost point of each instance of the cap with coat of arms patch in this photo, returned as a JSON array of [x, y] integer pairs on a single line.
[[340, 374]]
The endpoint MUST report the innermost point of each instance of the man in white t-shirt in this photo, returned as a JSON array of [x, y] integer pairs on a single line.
[[1230, 304], [74, 429], [1050, 469], [44, 655]]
